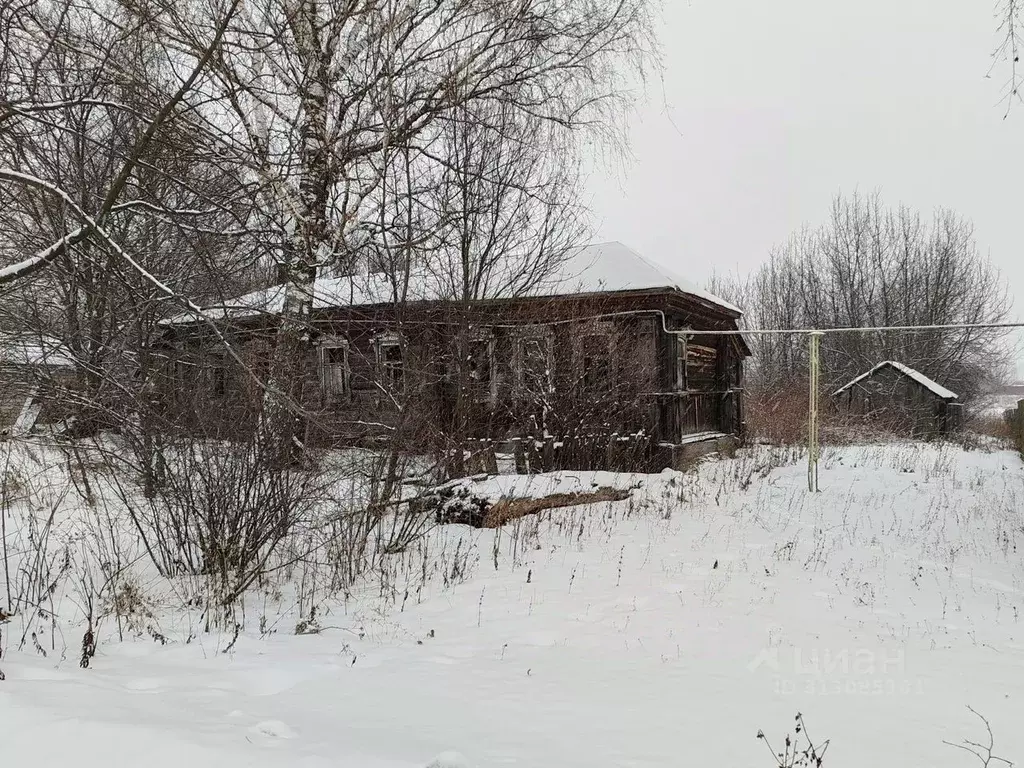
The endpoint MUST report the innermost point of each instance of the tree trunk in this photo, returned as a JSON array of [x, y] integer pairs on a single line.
[[283, 423]]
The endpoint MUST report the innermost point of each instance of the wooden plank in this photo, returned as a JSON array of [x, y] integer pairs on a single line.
[[28, 415]]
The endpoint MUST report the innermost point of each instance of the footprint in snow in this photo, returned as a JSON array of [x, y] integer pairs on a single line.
[[146, 685], [449, 760], [275, 729]]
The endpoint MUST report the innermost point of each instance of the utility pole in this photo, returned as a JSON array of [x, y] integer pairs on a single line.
[[814, 371]]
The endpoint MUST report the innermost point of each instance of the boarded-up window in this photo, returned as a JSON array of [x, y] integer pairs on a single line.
[[596, 363], [334, 371], [701, 366]]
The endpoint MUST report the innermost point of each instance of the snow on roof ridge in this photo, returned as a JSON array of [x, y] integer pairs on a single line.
[[906, 370], [596, 268], [674, 280]]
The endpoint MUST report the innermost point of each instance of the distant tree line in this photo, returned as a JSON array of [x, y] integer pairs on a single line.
[[874, 266]]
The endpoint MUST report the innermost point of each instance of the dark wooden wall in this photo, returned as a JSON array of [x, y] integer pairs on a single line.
[[204, 389], [898, 402]]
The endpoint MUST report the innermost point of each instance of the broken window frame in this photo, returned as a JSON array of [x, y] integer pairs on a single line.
[[708, 383], [219, 378], [522, 387], [209, 377], [480, 388], [387, 379], [334, 389], [681, 360]]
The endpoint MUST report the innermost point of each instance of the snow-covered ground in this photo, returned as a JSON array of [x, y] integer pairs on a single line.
[[664, 630]]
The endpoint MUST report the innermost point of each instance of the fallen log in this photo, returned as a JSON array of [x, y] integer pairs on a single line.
[[458, 505]]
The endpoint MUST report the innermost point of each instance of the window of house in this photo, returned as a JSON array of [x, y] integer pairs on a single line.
[[682, 382], [533, 365], [480, 363], [701, 366], [334, 370], [390, 363], [219, 376], [215, 375], [596, 363], [183, 378]]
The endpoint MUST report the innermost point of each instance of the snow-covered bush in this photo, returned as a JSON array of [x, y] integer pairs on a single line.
[[220, 511]]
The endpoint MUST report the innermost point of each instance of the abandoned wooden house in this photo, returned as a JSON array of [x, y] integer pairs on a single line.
[[899, 397], [595, 354]]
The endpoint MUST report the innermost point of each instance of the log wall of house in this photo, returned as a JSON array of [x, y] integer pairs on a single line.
[[13, 392], [631, 385]]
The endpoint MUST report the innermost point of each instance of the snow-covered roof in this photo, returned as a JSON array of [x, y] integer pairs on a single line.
[[34, 350], [612, 267], [906, 370], [603, 268]]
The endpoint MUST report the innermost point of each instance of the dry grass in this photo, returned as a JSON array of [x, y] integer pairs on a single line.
[[778, 417], [1001, 429]]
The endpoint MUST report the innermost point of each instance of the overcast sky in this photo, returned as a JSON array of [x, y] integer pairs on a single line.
[[768, 109]]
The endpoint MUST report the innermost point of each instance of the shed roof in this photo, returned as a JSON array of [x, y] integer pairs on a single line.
[[930, 384], [34, 350], [603, 268]]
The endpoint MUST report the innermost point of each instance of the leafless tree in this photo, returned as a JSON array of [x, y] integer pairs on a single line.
[[298, 98], [114, 181], [147, 152], [105, 312], [320, 89], [72, 71], [507, 196], [1010, 14], [871, 266]]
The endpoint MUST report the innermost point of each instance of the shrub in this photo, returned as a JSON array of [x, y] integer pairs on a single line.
[[221, 510], [793, 755]]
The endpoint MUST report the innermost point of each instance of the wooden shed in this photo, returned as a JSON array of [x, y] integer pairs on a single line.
[[902, 398]]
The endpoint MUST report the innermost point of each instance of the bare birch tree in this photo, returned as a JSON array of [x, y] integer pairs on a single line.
[[301, 102], [321, 88]]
